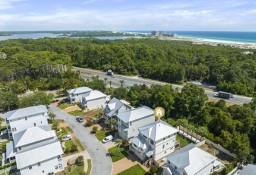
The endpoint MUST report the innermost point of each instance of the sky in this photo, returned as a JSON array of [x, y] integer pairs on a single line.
[[168, 15]]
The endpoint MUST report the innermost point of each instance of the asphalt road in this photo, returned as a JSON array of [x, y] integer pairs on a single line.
[[101, 163], [130, 81]]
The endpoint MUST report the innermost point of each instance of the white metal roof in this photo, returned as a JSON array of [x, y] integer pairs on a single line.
[[135, 114], [34, 156], [79, 90], [191, 158], [248, 169], [95, 94], [10, 150], [23, 112], [32, 135], [157, 130]]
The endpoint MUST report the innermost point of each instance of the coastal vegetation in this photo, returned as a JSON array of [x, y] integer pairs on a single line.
[[171, 61]]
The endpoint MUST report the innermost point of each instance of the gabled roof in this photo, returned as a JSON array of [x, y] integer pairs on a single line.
[[248, 170], [10, 150], [34, 156], [135, 114], [23, 112], [157, 130], [94, 94], [191, 158], [79, 90], [113, 105], [32, 135], [140, 142]]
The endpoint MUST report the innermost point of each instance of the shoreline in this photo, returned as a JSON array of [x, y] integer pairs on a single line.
[[212, 42]]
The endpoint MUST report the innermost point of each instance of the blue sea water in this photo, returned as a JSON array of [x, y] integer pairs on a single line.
[[227, 36]]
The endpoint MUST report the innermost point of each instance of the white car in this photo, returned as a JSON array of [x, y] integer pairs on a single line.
[[67, 137], [107, 139]]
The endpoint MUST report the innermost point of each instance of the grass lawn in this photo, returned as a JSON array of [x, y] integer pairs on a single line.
[[77, 170], [118, 154], [135, 170], [63, 131], [70, 147], [69, 129], [89, 167], [80, 145], [65, 105], [101, 134], [77, 113], [183, 141]]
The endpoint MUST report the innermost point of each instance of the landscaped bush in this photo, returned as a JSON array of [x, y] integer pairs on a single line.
[[94, 129], [7, 165], [79, 161], [70, 147]]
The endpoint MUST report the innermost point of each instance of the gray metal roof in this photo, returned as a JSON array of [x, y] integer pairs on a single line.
[[10, 150], [191, 158], [23, 112], [79, 90], [34, 156], [32, 135], [92, 95], [113, 106], [157, 130], [249, 169], [135, 114]]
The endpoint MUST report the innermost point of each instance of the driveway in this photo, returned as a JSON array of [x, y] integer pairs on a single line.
[[101, 163]]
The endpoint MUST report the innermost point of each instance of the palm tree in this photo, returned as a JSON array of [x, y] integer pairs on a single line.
[[122, 83], [110, 83], [119, 143]]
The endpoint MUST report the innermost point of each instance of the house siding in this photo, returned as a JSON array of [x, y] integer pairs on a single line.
[[164, 147], [45, 167], [95, 104], [134, 126]]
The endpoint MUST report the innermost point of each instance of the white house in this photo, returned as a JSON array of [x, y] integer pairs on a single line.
[[129, 121], [191, 160], [115, 106], [156, 140], [21, 119], [247, 170], [36, 151], [94, 99], [75, 95]]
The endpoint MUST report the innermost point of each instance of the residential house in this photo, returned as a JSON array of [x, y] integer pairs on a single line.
[[130, 121], [75, 95], [156, 141], [93, 100], [191, 160], [115, 106], [21, 119], [247, 170], [36, 151]]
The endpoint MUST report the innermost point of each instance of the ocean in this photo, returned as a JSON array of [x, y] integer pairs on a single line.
[[226, 36]]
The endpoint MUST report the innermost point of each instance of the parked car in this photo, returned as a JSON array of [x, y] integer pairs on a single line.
[[107, 139], [79, 119], [67, 137]]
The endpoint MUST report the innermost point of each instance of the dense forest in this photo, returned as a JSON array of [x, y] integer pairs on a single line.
[[170, 61], [234, 127]]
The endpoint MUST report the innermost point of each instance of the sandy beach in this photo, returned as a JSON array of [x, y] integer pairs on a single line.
[[213, 42]]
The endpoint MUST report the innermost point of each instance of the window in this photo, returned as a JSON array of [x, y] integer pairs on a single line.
[[30, 167], [19, 148], [34, 124], [152, 142], [56, 167], [43, 171], [175, 167], [168, 162], [25, 118], [39, 164], [163, 146], [13, 129]]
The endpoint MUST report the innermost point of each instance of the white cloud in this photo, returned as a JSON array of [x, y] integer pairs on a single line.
[[8, 4]]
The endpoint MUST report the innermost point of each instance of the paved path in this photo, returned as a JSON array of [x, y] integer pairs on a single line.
[[83, 153], [101, 163], [130, 81]]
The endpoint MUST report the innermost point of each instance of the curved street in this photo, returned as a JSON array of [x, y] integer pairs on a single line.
[[101, 162]]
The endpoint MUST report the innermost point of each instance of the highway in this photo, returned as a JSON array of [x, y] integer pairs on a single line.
[[130, 81]]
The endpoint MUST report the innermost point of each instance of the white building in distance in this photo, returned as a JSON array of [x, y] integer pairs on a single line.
[[75, 95]]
